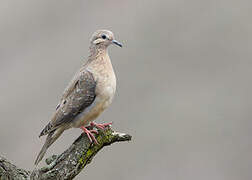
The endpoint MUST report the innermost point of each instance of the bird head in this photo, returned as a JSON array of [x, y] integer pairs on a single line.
[[103, 38]]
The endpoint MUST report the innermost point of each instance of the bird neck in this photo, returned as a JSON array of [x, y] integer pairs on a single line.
[[97, 55], [97, 50]]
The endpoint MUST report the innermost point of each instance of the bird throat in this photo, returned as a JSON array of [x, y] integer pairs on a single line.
[[97, 50]]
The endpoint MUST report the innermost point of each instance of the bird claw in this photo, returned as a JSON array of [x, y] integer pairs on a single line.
[[100, 126], [90, 136]]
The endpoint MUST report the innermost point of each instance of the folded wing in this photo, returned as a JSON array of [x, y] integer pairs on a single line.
[[79, 95]]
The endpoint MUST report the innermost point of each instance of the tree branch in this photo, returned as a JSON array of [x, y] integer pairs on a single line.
[[68, 164]]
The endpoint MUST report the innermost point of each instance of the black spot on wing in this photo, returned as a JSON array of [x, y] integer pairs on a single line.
[[82, 97], [57, 107]]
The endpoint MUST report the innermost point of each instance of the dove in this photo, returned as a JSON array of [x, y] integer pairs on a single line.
[[88, 94]]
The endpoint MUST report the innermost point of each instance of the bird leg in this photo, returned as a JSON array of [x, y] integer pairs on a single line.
[[100, 126], [91, 137]]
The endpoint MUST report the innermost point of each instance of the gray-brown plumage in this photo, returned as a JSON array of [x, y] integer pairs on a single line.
[[88, 94]]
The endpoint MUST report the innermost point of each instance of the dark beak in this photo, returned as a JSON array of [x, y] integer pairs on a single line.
[[117, 43]]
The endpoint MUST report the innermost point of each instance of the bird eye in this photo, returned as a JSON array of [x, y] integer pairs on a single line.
[[104, 36]]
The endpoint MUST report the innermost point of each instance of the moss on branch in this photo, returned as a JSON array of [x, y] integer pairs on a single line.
[[68, 164]]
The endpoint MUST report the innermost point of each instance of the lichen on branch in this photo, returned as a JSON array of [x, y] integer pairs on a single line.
[[68, 164]]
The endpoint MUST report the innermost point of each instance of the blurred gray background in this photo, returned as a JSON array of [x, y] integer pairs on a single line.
[[184, 84]]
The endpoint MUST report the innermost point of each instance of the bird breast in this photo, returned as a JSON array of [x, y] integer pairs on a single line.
[[106, 88]]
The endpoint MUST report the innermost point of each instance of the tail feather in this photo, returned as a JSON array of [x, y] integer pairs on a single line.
[[48, 128], [50, 139]]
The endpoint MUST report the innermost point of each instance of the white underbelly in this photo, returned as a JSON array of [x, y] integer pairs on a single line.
[[105, 90], [100, 103]]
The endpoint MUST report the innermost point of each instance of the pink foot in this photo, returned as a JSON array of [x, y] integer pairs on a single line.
[[100, 126], [89, 134]]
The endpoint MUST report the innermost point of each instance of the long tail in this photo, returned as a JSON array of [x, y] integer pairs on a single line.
[[50, 139]]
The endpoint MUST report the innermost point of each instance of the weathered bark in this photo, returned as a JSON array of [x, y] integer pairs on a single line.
[[69, 163]]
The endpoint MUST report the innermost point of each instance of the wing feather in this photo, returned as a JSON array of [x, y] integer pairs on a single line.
[[78, 95]]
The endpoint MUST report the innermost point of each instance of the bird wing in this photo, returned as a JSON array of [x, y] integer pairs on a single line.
[[78, 95]]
